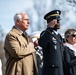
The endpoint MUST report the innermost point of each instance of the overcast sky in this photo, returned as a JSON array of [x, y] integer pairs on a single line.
[[8, 8]]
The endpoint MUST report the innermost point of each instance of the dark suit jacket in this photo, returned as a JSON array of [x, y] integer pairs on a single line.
[[52, 52], [69, 61]]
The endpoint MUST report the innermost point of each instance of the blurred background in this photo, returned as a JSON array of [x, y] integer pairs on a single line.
[[36, 10]]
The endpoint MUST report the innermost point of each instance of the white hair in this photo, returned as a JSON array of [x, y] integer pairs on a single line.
[[18, 16]]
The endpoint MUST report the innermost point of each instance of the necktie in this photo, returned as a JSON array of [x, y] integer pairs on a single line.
[[25, 36]]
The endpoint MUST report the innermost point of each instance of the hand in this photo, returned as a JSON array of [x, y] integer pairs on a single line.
[[52, 23], [31, 44]]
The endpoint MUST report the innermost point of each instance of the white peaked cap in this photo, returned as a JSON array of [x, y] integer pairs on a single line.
[[35, 35]]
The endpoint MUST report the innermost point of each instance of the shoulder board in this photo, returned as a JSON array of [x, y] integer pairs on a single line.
[[50, 32], [43, 32]]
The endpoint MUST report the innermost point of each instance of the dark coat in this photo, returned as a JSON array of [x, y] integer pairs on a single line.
[[39, 56], [70, 62], [52, 52]]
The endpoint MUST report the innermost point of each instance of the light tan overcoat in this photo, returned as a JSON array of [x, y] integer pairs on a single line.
[[20, 55]]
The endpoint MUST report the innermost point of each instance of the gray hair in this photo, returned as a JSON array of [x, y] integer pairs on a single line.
[[18, 16]]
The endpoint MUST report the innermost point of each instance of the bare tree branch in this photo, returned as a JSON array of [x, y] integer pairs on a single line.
[[73, 2]]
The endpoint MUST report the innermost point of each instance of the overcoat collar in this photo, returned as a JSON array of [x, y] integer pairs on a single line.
[[16, 30], [21, 34]]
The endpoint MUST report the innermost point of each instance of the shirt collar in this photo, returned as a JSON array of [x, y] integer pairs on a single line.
[[19, 29], [55, 32]]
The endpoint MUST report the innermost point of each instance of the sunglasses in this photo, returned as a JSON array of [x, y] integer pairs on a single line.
[[73, 35]]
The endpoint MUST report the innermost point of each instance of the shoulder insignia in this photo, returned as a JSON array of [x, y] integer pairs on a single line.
[[52, 32]]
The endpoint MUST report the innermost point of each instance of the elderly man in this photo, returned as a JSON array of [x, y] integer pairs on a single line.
[[51, 42], [19, 49]]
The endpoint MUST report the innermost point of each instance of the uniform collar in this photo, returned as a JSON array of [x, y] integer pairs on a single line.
[[50, 29], [55, 32]]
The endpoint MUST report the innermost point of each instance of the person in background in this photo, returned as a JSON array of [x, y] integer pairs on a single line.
[[51, 42], [0, 67], [39, 53], [64, 41], [19, 49], [70, 52]]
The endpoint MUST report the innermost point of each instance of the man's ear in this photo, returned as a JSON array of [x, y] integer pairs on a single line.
[[17, 22]]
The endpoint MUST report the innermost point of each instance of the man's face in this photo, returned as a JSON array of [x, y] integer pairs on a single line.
[[23, 24], [57, 25], [25, 21]]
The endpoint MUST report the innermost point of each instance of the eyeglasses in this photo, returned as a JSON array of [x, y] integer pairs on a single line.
[[58, 20], [26, 19]]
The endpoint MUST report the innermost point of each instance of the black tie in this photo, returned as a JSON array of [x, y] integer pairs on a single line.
[[25, 36]]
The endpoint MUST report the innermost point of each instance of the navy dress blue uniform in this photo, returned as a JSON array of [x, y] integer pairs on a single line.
[[52, 50]]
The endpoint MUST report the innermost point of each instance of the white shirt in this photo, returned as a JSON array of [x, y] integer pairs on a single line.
[[19, 29], [55, 32], [72, 47]]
